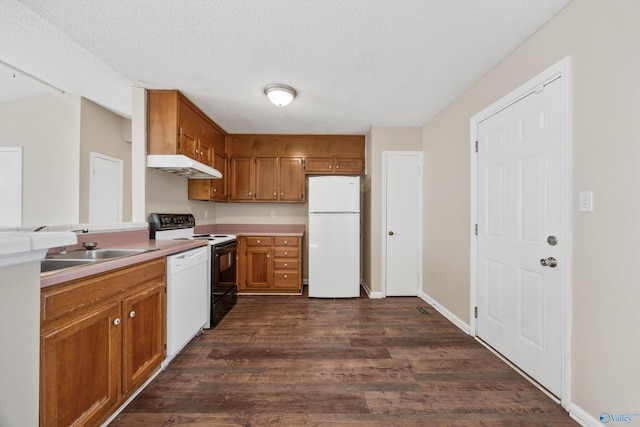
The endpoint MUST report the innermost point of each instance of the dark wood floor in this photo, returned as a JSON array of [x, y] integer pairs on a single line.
[[295, 361]]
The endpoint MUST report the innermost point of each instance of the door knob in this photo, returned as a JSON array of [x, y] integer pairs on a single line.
[[549, 262], [391, 233]]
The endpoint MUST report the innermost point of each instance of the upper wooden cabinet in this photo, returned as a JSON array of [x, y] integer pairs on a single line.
[[267, 179], [272, 168], [177, 126], [333, 165], [255, 168]]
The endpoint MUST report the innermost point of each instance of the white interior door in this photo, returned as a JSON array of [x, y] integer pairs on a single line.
[[105, 190], [520, 223], [403, 216], [11, 186]]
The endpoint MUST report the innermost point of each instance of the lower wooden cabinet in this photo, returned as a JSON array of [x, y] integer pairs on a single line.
[[269, 264], [101, 338]]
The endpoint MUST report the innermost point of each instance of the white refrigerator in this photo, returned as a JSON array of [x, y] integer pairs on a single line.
[[334, 236]]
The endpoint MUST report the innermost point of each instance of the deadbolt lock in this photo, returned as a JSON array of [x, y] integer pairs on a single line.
[[552, 240], [391, 233]]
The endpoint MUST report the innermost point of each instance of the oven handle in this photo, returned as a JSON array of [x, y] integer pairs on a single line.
[[225, 245]]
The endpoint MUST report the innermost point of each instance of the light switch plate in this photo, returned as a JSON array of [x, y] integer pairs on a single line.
[[585, 201]]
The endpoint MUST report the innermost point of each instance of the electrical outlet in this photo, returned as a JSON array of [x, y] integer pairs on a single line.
[[273, 214]]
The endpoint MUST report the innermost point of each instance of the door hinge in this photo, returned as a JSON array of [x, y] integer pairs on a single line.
[[476, 146], [475, 312], [476, 229]]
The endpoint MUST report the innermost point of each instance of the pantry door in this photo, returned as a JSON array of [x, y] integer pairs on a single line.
[[402, 218], [521, 231]]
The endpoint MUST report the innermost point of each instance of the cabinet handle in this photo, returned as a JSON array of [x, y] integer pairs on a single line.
[[258, 241], [215, 189], [337, 167], [285, 276], [116, 321], [268, 256], [249, 192], [286, 253], [275, 194], [282, 194], [132, 314], [285, 242], [286, 265]]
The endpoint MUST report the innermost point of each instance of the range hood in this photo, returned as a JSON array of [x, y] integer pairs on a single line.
[[181, 165]]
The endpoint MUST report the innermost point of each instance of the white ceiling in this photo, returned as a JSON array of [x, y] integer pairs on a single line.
[[354, 63]]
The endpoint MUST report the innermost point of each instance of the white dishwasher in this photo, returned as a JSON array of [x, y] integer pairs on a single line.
[[187, 297]]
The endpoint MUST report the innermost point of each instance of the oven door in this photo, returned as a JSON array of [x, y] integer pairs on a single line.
[[223, 268], [224, 290]]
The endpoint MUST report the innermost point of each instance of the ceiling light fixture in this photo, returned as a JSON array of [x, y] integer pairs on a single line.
[[280, 95]]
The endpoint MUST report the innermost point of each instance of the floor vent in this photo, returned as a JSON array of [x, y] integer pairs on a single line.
[[422, 310]]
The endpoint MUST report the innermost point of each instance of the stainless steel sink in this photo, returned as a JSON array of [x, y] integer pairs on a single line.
[[54, 262], [96, 254], [58, 264]]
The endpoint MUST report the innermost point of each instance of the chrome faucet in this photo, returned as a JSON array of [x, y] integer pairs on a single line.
[[42, 227], [83, 230], [63, 250]]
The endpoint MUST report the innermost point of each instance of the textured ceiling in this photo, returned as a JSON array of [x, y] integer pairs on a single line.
[[354, 63]]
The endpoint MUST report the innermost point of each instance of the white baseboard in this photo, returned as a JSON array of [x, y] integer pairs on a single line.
[[367, 289], [582, 417], [446, 313]]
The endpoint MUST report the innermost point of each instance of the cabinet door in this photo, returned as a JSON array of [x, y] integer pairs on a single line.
[[319, 165], [80, 368], [219, 186], [291, 179], [144, 335], [266, 178], [259, 268], [188, 127], [241, 178], [205, 152], [349, 166], [188, 145]]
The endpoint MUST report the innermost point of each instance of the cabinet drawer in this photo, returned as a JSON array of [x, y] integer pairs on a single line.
[[85, 292], [285, 264], [286, 252], [285, 241], [259, 241], [286, 279]]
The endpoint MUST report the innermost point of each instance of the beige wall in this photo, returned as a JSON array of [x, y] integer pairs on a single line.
[[101, 131], [48, 127], [601, 37], [57, 133], [380, 139]]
